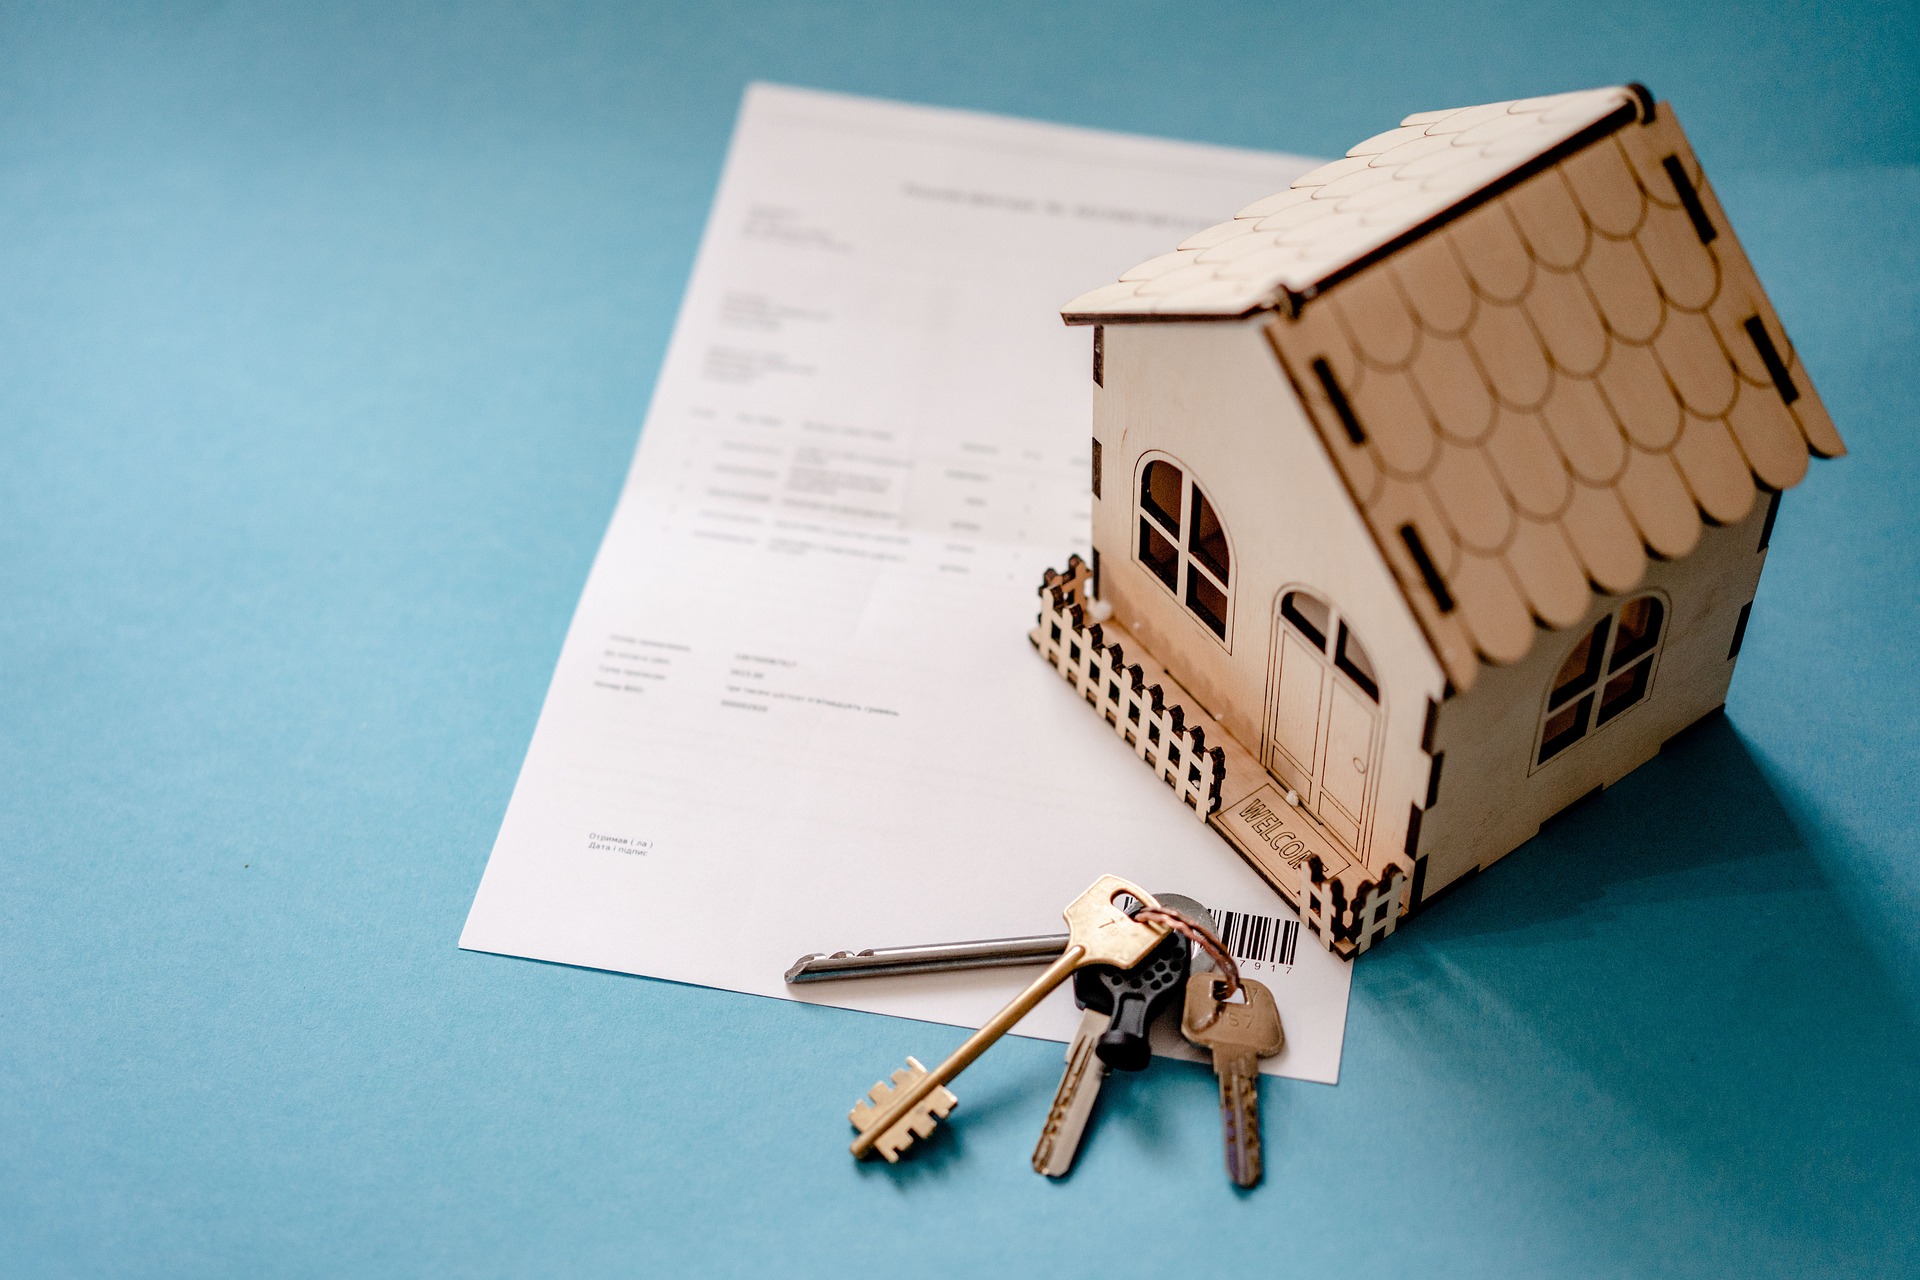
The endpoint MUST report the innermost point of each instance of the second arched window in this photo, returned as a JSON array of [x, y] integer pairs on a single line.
[[1609, 670]]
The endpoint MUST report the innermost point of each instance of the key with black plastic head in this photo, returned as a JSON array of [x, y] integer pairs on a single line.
[[1118, 1006], [1132, 999]]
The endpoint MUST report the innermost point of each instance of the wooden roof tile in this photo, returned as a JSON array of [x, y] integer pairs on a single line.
[[1380, 143], [1160, 266], [1550, 575], [1768, 437], [1458, 396], [1406, 511], [1647, 151], [1358, 182], [1636, 391], [1405, 153], [1695, 363], [1435, 286], [1172, 282], [1319, 335], [1568, 320], [1714, 471], [1468, 493], [1492, 254], [1658, 503], [1550, 221], [1274, 226], [1273, 204], [1408, 502], [1733, 305], [1583, 426], [1623, 286], [1510, 352], [1377, 320], [1213, 235], [1119, 291], [1396, 423], [1250, 267], [1560, 107], [1496, 613], [1689, 275], [1604, 538], [1332, 171], [1815, 425], [1457, 122], [1529, 464], [1603, 185]]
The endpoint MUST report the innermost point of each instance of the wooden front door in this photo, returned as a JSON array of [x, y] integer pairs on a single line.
[[1323, 720]]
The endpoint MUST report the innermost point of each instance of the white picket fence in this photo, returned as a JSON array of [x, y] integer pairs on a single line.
[[1138, 712], [1350, 906]]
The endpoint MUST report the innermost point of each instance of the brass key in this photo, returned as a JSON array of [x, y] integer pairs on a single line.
[[1238, 1035], [1098, 932]]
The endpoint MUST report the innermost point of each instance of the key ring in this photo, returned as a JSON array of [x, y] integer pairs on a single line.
[[1205, 938]]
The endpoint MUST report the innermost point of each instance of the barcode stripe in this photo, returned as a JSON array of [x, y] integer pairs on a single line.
[[1251, 937]]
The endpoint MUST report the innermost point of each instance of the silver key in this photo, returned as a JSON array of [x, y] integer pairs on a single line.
[[1073, 1101], [1086, 1071], [990, 953], [880, 962], [1239, 1035]]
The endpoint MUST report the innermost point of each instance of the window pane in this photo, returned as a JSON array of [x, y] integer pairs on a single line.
[[1207, 540], [1564, 728], [1582, 666], [1308, 616], [1207, 601], [1639, 632], [1160, 494], [1623, 691], [1352, 659], [1159, 555]]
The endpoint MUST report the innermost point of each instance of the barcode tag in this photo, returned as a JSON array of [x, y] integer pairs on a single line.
[[1263, 939]]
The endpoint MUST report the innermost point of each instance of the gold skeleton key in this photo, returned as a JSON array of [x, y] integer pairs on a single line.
[[1098, 932]]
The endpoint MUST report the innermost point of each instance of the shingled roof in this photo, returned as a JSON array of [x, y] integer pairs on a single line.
[[1552, 362], [1290, 246]]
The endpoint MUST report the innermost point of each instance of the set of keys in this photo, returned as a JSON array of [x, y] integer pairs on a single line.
[[1128, 966]]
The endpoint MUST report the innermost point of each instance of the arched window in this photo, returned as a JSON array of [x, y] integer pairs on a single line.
[[1309, 615], [1183, 544], [1608, 671]]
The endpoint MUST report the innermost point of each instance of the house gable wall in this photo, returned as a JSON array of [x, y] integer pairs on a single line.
[[1213, 397], [1491, 798]]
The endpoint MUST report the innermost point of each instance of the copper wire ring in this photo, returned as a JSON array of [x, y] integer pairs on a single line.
[[1204, 938]]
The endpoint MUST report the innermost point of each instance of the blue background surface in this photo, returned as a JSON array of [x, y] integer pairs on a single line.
[[325, 335]]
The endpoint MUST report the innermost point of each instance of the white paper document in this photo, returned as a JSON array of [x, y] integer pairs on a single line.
[[797, 710]]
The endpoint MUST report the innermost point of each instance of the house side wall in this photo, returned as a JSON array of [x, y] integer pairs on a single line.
[[1214, 397], [1490, 798]]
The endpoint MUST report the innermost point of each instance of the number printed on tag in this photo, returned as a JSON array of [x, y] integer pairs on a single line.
[[1258, 939]]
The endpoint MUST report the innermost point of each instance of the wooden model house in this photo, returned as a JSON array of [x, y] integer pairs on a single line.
[[1430, 494]]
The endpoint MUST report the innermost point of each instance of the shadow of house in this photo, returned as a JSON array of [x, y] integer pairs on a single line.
[[1670, 978]]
